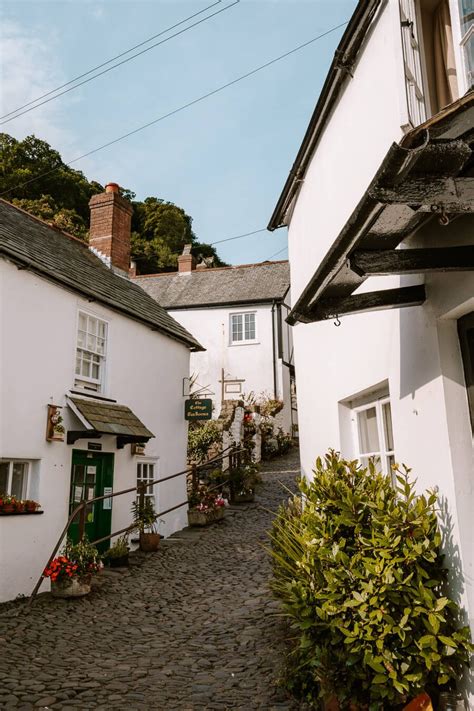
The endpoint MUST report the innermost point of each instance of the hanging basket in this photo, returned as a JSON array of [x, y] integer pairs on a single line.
[[75, 587]]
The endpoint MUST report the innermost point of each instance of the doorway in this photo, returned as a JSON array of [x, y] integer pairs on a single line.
[[92, 474]]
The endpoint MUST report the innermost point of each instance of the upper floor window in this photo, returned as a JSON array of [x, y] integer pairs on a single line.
[[374, 434], [90, 352], [466, 11], [243, 327], [14, 478]]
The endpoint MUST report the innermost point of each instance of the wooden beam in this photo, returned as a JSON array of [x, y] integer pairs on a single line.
[[430, 193], [381, 262], [371, 301]]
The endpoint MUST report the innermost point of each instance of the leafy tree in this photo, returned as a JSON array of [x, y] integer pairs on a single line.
[[35, 178]]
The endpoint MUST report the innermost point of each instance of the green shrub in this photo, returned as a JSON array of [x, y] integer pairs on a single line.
[[359, 573], [201, 437]]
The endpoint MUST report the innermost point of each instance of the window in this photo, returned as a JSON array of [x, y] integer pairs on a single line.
[[466, 11], [466, 339], [90, 352], [145, 475], [14, 478], [412, 62], [242, 327], [374, 434]]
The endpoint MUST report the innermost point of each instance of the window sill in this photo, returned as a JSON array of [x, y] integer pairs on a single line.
[[244, 343], [20, 513]]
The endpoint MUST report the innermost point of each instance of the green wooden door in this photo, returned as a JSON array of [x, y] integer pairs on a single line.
[[92, 475]]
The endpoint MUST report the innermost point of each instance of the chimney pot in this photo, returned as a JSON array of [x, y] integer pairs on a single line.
[[112, 188]]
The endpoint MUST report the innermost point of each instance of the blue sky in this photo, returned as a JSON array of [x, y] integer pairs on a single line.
[[224, 160]]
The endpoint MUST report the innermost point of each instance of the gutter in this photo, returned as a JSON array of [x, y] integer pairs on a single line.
[[339, 71], [274, 353]]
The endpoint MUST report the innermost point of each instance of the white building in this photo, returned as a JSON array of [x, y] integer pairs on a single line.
[[379, 206], [78, 335], [238, 314]]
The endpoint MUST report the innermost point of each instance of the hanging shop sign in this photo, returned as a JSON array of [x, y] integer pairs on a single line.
[[195, 409], [54, 427]]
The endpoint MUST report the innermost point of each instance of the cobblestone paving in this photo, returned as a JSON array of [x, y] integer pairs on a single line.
[[192, 627]]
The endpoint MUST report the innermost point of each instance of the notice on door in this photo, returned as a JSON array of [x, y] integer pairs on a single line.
[[77, 494], [107, 505]]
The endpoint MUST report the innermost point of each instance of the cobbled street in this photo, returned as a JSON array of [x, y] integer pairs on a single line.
[[190, 627]]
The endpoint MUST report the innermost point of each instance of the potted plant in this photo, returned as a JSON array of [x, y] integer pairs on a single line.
[[31, 506], [117, 555], [71, 572], [20, 506], [244, 482], [205, 506], [7, 503], [144, 519]]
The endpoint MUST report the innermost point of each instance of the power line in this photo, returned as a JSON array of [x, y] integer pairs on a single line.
[[247, 234], [180, 108], [19, 113], [275, 255]]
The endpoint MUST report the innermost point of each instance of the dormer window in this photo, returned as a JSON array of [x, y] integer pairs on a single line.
[[90, 352]]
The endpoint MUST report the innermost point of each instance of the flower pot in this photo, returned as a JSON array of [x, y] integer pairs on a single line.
[[74, 587], [149, 542], [421, 703], [245, 497], [31, 508], [205, 518], [7, 508], [119, 561], [20, 508]]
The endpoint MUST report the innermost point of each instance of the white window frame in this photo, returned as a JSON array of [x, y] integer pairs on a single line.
[[385, 454], [151, 492], [244, 341], [413, 63], [82, 381], [26, 481]]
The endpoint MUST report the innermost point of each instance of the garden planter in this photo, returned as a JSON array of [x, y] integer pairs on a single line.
[[149, 542], [75, 587], [246, 497], [31, 508], [119, 561], [204, 518], [7, 508]]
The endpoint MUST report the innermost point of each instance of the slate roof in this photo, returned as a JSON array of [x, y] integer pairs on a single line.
[[244, 284], [109, 418], [68, 261]]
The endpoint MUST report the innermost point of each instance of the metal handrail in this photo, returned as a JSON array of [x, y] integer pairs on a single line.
[[140, 488]]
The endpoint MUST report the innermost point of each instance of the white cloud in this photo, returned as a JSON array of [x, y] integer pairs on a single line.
[[31, 68]]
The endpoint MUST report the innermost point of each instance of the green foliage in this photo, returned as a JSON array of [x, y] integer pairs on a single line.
[[144, 516], [359, 572], [284, 441], [201, 437], [83, 554], [61, 197], [245, 479], [119, 549]]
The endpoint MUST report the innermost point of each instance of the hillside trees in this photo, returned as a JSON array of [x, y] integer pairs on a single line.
[[38, 181]]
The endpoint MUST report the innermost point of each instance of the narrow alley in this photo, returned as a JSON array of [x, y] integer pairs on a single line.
[[192, 627]]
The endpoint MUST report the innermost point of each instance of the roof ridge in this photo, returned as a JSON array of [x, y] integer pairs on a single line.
[[47, 224], [214, 269]]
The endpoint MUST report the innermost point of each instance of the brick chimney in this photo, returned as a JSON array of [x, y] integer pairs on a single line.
[[110, 227], [186, 261]]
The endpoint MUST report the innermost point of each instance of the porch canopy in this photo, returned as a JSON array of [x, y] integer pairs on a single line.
[[429, 175], [106, 418]]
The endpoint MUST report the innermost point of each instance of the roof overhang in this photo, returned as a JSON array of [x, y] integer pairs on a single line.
[[429, 175], [105, 418]]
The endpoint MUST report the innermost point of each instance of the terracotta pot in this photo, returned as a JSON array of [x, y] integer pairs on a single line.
[[31, 507], [75, 587], [420, 703], [19, 508], [204, 518], [7, 508], [149, 542]]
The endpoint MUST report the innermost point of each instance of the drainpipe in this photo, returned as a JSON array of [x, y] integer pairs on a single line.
[[274, 352]]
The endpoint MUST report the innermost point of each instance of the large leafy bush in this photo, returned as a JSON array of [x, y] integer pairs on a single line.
[[201, 439], [358, 569]]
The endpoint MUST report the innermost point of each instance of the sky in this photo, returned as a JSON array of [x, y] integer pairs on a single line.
[[223, 160]]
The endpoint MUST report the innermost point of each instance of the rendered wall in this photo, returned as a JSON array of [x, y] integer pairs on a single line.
[[145, 371]]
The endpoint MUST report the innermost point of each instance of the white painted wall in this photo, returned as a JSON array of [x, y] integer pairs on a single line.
[[250, 362], [145, 371], [414, 352]]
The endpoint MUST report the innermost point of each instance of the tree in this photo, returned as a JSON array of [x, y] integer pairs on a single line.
[[36, 179]]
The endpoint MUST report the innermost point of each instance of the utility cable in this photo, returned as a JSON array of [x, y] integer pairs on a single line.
[[275, 255], [247, 234], [19, 113], [179, 109]]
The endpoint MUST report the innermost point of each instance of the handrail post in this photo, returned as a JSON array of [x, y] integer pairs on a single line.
[[141, 495], [82, 521], [194, 477]]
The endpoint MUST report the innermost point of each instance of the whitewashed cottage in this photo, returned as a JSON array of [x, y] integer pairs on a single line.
[[379, 205], [92, 374], [238, 314]]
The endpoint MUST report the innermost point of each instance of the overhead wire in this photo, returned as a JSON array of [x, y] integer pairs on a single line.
[[247, 234], [19, 113], [276, 254], [180, 108]]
